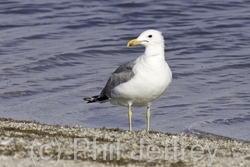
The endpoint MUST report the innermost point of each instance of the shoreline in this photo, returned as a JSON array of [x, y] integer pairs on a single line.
[[29, 143]]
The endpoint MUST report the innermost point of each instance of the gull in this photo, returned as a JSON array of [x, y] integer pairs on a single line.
[[141, 81]]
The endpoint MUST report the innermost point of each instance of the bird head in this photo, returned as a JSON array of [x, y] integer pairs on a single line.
[[148, 38]]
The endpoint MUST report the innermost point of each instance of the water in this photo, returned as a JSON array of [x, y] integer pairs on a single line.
[[55, 53]]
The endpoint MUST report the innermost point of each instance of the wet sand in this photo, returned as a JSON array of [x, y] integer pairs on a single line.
[[25, 143]]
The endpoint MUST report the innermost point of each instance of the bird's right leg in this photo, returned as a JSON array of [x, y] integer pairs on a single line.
[[130, 117], [148, 118]]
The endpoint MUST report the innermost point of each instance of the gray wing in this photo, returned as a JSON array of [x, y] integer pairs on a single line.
[[122, 74]]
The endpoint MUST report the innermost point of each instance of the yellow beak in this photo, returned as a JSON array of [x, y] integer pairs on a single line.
[[134, 42]]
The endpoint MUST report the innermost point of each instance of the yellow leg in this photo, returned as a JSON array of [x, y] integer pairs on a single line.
[[130, 118], [148, 118]]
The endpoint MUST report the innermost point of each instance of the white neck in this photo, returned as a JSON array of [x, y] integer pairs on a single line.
[[154, 51]]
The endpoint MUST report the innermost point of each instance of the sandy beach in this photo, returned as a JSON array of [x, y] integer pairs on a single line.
[[25, 143]]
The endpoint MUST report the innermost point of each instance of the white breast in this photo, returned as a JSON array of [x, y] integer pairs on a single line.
[[152, 78]]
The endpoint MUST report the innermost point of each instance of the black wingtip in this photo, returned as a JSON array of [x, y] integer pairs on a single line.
[[85, 98], [90, 99], [98, 98]]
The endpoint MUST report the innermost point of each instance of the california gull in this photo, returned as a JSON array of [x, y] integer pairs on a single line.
[[141, 81]]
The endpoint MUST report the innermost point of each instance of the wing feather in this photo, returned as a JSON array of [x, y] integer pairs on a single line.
[[121, 75]]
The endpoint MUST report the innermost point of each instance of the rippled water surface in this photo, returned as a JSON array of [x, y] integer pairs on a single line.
[[54, 53]]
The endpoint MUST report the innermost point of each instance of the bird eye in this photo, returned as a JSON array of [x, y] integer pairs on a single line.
[[150, 36]]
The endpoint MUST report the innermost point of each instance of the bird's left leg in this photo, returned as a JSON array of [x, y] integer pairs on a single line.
[[130, 117], [148, 117]]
